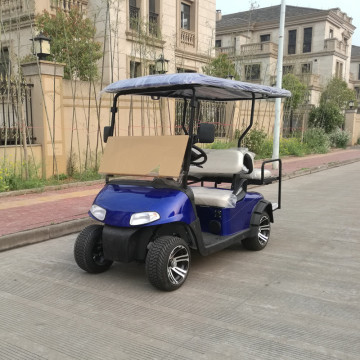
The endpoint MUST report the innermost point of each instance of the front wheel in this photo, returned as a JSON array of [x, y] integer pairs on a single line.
[[88, 250], [168, 263], [259, 241]]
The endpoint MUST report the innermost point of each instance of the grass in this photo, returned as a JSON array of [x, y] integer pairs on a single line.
[[12, 177]]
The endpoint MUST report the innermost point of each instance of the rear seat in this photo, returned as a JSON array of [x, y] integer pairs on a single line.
[[225, 163], [221, 166]]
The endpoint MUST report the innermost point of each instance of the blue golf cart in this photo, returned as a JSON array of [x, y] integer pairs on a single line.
[[165, 196]]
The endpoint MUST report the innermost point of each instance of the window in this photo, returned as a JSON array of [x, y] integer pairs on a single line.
[[292, 42], [265, 37], [339, 69], [331, 33], [4, 61], [252, 72], [307, 40], [153, 18], [152, 69], [134, 13], [135, 69], [359, 73], [288, 69], [306, 68], [217, 43], [357, 90], [185, 16]]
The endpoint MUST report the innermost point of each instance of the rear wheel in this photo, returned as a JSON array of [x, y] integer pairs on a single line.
[[168, 263], [259, 241], [88, 250]]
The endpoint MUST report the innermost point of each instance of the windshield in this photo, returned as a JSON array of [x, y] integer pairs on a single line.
[[150, 156]]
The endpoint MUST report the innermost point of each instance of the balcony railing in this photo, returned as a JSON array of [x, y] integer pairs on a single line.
[[259, 48], [153, 24], [229, 50], [187, 37], [336, 45], [12, 7], [308, 79], [66, 5]]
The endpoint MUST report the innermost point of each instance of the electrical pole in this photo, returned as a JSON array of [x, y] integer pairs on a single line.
[[279, 84]]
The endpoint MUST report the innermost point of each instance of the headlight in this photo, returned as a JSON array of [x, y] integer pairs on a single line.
[[144, 218], [98, 212]]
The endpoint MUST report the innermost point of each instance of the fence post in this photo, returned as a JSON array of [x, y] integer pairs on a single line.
[[48, 113]]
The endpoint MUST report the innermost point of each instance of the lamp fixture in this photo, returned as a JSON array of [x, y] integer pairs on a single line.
[[41, 46], [161, 65]]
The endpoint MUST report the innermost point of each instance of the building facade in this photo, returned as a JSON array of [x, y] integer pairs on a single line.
[[355, 71], [134, 33], [62, 120], [317, 44]]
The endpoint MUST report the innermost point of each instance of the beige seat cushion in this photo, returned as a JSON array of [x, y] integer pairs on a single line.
[[214, 197]]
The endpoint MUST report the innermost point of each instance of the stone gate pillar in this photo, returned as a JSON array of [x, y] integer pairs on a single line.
[[48, 114], [350, 125]]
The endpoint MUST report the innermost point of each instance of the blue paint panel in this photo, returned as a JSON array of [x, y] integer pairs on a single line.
[[121, 201], [232, 220]]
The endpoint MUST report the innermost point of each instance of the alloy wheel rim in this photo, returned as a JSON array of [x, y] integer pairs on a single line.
[[264, 230], [178, 264]]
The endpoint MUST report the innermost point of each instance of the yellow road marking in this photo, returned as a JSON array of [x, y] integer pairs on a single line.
[[45, 199]]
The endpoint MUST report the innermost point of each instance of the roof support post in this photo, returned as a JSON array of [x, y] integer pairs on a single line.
[[114, 110], [186, 166], [251, 119]]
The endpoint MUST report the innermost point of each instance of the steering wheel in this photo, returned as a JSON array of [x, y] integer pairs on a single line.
[[196, 154]]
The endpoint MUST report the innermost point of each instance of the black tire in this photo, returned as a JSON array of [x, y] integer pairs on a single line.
[[263, 227], [88, 250], [163, 271]]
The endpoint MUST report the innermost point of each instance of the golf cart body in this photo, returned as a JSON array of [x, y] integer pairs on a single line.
[[182, 196]]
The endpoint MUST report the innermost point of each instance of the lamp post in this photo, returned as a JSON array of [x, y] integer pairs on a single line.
[[41, 46], [351, 104], [161, 65]]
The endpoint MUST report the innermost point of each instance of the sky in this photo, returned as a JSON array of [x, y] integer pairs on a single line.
[[350, 7]]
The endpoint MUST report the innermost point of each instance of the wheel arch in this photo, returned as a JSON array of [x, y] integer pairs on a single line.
[[263, 205]]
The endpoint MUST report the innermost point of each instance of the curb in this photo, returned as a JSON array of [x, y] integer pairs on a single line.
[[44, 233], [49, 232], [318, 168]]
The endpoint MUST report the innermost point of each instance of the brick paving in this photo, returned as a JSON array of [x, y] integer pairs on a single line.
[[34, 210]]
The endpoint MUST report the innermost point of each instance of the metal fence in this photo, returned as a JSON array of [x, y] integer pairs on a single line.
[[15, 102], [207, 112]]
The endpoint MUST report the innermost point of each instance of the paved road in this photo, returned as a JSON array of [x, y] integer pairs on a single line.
[[297, 299]]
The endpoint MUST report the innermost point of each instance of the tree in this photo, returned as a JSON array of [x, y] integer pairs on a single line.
[[337, 93], [72, 42], [298, 90], [327, 116], [221, 67]]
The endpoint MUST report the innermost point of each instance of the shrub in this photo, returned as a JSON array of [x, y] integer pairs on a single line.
[[339, 138], [317, 140], [327, 117], [358, 141], [255, 140], [293, 146]]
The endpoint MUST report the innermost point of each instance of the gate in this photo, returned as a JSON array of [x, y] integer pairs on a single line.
[[207, 112], [15, 102]]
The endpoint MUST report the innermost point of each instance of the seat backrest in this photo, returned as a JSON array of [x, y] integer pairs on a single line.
[[222, 162]]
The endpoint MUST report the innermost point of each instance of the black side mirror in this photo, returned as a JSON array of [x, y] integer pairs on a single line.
[[206, 133], [107, 133]]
